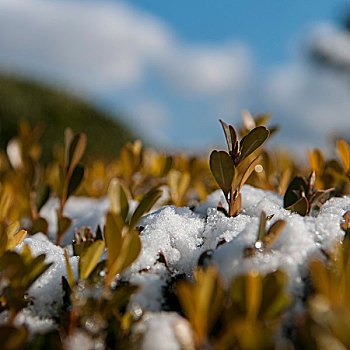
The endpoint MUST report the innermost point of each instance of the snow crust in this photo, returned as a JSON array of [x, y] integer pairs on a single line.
[[182, 235]]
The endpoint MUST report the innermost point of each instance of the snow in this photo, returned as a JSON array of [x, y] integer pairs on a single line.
[[182, 235], [161, 331], [150, 296], [80, 340], [176, 232], [46, 291], [83, 211]]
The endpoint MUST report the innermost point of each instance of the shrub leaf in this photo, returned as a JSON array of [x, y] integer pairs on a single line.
[[344, 153], [253, 140], [293, 190], [145, 205], [223, 170], [89, 258]]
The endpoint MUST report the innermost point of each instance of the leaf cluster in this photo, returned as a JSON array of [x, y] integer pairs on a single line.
[[122, 239], [301, 196], [100, 314], [24, 153], [243, 315], [326, 321], [71, 174], [223, 164], [18, 271]]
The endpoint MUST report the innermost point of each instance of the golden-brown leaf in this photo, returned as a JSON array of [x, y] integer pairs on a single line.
[[344, 153]]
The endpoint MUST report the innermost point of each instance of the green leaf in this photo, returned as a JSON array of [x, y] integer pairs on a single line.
[[42, 194], [167, 165], [223, 170], [344, 153], [237, 292], [319, 194], [118, 199], [230, 135], [128, 161], [76, 150], [75, 180], [15, 238], [63, 224], [131, 247], [31, 170], [121, 296], [317, 160], [248, 172], [253, 294], [336, 170], [98, 274], [113, 237], [68, 138], [202, 301], [253, 140], [292, 194], [144, 206], [301, 206], [70, 275], [131, 250], [183, 183], [78, 248], [275, 300], [178, 183], [89, 258], [39, 225], [262, 226], [12, 229], [9, 259]]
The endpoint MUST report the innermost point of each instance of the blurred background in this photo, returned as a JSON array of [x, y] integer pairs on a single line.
[[165, 71]]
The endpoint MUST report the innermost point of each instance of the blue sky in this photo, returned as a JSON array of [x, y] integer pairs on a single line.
[[172, 68], [267, 26]]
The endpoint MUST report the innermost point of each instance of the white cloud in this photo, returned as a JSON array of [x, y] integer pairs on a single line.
[[312, 101], [102, 45], [208, 70], [331, 43], [90, 45]]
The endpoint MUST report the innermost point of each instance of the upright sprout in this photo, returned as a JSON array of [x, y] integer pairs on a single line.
[[266, 237], [224, 165], [71, 174]]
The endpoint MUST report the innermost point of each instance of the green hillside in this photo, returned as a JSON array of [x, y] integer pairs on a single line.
[[56, 110]]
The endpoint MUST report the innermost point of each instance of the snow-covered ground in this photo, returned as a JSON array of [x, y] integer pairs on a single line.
[[182, 235]]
